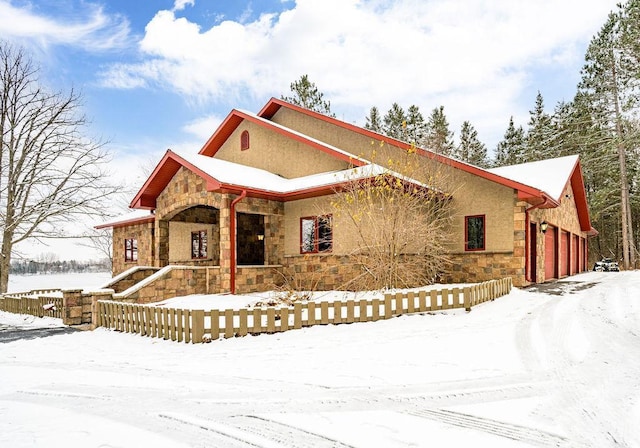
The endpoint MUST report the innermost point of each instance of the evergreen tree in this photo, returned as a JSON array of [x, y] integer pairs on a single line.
[[374, 121], [539, 133], [395, 122], [471, 149], [307, 95], [511, 149], [416, 126], [611, 84], [439, 139]]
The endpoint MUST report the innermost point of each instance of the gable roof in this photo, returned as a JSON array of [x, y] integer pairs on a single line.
[[525, 192], [532, 186], [553, 176], [229, 177], [529, 187]]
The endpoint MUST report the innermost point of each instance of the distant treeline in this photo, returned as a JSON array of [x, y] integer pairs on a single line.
[[58, 267]]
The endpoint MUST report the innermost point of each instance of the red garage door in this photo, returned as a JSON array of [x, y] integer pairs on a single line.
[[575, 254], [564, 254], [550, 253]]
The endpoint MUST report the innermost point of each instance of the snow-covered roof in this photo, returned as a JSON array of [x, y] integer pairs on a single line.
[[255, 178], [550, 176], [126, 218]]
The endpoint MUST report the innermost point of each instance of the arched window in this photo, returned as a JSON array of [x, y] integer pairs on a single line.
[[244, 140]]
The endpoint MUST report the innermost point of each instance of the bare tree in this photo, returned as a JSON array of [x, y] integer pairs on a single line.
[[400, 224], [101, 240], [51, 174]]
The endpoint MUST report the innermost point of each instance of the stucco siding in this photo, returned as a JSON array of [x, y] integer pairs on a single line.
[[474, 196], [180, 241], [273, 152]]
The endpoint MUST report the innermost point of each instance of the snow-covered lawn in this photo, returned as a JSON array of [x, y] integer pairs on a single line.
[[89, 280], [530, 369]]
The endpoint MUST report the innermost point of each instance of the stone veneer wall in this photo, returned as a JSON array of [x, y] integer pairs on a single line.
[[141, 232], [319, 272], [179, 282], [257, 278]]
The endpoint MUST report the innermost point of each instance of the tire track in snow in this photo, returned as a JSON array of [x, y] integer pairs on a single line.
[[250, 430], [507, 430]]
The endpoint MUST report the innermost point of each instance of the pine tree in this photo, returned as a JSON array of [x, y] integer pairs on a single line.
[[395, 122], [611, 83], [471, 149], [307, 95], [511, 149], [439, 139], [539, 133], [416, 126], [374, 121]]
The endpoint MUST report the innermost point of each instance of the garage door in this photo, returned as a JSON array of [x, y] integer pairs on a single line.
[[564, 254], [575, 254], [550, 253]]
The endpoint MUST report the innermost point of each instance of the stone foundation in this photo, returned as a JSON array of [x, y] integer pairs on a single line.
[[473, 267]]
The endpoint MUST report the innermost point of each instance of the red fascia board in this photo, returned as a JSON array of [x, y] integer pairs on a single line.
[[274, 104], [127, 223], [580, 199], [226, 128], [162, 175]]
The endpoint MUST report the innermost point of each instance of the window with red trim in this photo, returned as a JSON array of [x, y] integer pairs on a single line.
[[474, 232], [199, 244], [316, 234], [244, 140], [130, 249]]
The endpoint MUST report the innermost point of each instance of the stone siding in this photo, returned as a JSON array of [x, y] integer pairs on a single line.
[[143, 233]]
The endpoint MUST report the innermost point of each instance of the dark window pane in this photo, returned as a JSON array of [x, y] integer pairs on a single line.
[[325, 235], [475, 232]]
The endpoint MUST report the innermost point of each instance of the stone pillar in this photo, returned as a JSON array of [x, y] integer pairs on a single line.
[[519, 243], [72, 306], [161, 243]]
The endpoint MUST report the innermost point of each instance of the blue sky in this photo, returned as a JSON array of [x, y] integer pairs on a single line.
[[158, 74]]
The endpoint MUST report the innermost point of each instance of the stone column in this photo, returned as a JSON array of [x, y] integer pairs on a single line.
[[72, 306], [161, 243]]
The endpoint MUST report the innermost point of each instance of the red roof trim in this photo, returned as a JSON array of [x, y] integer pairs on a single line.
[[274, 104], [171, 162], [162, 175]]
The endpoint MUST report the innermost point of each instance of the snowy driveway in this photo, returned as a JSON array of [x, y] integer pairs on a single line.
[[531, 369]]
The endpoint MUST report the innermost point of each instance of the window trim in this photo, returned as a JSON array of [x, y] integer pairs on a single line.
[[131, 254], [244, 140], [316, 234], [198, 234], [466, 233]]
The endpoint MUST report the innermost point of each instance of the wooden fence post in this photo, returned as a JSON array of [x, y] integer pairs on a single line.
[[466, 293], [197, 326]]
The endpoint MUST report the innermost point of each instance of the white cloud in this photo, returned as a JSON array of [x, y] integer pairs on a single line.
[[93, 29], [179, 5], [203, 127], [473, 56]]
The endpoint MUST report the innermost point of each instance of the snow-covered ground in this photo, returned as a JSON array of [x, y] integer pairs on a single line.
[[89, 280], [534, 368]]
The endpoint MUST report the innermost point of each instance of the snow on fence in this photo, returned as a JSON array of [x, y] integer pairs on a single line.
[[41, 305], [199, 325]]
